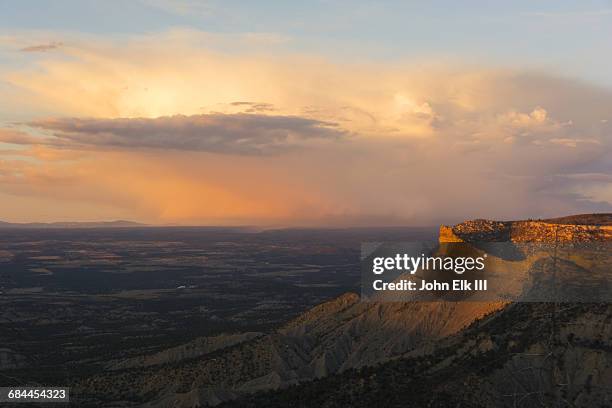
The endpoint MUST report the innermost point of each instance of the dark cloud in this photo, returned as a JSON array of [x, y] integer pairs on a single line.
[[42, 47], [248, 134]]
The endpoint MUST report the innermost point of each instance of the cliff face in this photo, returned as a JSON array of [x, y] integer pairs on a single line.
[[447, 234], [524, 231]]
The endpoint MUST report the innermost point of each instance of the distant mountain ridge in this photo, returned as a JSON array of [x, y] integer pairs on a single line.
[[72, 224]]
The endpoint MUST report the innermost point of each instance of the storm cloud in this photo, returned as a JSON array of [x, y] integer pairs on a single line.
[[161, 129], [245, 134]]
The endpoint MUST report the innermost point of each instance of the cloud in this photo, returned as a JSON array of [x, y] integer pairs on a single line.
[[220, 133], [573, 142], [536, 118], [13, 136], [42, 47], [254, 107], [144, 126]]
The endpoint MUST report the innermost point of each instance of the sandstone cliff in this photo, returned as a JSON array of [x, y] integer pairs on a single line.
[[526, 231]]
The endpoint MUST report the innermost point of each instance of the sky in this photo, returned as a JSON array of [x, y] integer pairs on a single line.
[[318, 113]]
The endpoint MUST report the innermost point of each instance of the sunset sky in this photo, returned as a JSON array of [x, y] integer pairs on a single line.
[[318, 113]]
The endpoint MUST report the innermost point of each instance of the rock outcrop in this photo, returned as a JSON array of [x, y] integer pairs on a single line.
[[524, 231]]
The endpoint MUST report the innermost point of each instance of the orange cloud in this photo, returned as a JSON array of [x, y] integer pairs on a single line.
[[341, 143]]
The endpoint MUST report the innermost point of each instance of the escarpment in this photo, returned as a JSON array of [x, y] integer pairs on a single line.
[[530, 231]]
